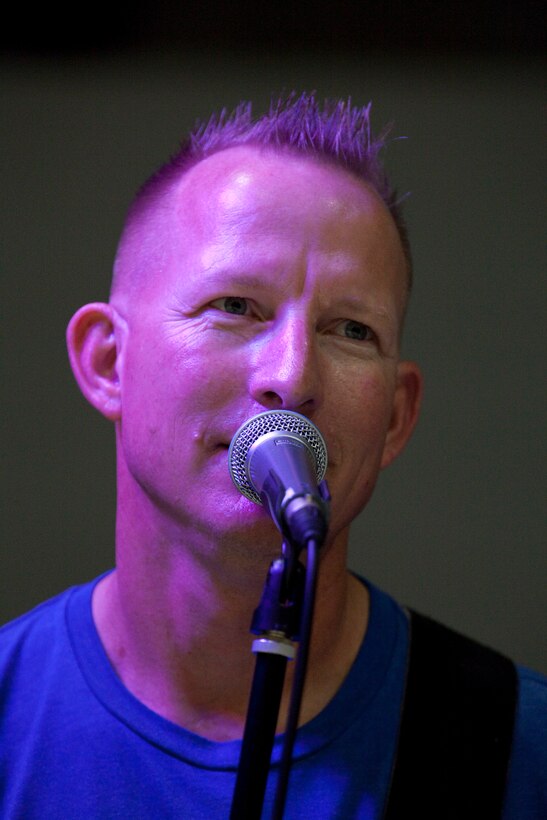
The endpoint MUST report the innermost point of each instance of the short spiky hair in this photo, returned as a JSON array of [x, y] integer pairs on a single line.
[[335, 131]]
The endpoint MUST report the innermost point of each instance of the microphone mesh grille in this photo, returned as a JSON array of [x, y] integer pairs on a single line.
[[257, 426]]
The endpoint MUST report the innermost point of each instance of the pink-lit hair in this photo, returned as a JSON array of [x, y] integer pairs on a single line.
[[336, 132]]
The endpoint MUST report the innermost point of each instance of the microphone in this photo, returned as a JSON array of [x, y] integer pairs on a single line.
[[278, 459]]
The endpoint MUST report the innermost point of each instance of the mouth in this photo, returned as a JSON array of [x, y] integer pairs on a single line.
[[219, 450]]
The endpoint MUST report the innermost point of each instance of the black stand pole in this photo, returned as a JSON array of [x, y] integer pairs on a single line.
[[259, 737], [289, 589], [276, 621], [298, 682]]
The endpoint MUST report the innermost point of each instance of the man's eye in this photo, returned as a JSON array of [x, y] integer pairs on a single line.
[[355, 330], [232, 304]]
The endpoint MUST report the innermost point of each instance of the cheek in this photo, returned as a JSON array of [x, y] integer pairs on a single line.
[[359, 423], [171, 391], [170, 371], [366, 405]]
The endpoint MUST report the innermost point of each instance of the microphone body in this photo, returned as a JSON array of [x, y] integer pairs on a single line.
[[279, 458]]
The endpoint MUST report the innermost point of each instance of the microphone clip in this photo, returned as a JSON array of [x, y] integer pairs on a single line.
[[299, 516], [280, 606]]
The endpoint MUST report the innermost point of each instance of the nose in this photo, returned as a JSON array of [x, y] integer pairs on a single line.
[[285, 371]]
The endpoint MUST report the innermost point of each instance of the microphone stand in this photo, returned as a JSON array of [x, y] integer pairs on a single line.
[[276, 621], [306, 624]]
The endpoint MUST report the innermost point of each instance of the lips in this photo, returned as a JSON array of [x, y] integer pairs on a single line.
[[221, 440]]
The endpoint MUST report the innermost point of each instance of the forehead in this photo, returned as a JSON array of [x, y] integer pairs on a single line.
[[245, 182], [253, 195], [263, 209]]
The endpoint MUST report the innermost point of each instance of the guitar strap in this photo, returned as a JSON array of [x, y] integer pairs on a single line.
[[456, 729]]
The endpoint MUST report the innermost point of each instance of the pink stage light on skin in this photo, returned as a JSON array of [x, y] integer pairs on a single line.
[[308, 255]]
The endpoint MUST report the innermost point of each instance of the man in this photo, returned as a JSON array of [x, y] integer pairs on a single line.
[[265, 267]]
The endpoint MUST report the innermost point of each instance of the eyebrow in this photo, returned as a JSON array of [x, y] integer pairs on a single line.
[[236, 279], [356, 304]]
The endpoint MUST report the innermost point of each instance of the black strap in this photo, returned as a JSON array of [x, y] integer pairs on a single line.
[[456, 729]]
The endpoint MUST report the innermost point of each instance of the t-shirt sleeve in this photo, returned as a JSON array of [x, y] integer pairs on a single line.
[[526, 796]]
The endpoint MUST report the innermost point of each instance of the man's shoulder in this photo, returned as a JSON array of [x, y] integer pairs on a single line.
[[41, 616], [531, 722], [26, 642], [32, 640], [533, 683], [526, 795]]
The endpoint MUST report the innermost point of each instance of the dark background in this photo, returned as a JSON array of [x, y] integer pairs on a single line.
[[486, 26], [95, 98]]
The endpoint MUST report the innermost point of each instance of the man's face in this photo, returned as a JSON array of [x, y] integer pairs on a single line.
[[284, 287]]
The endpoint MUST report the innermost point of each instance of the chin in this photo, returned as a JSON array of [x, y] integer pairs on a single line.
[[238, 515]]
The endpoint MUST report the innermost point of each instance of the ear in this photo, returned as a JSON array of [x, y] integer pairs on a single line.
[[406, 407], [93, 340]]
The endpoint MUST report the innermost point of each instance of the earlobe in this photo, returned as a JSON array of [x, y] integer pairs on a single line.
[[93, 349], [406, 407]]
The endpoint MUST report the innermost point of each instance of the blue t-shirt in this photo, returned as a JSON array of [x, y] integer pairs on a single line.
[[75, 743]]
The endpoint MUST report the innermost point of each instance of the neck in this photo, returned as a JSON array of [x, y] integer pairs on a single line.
[[174, 619]]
